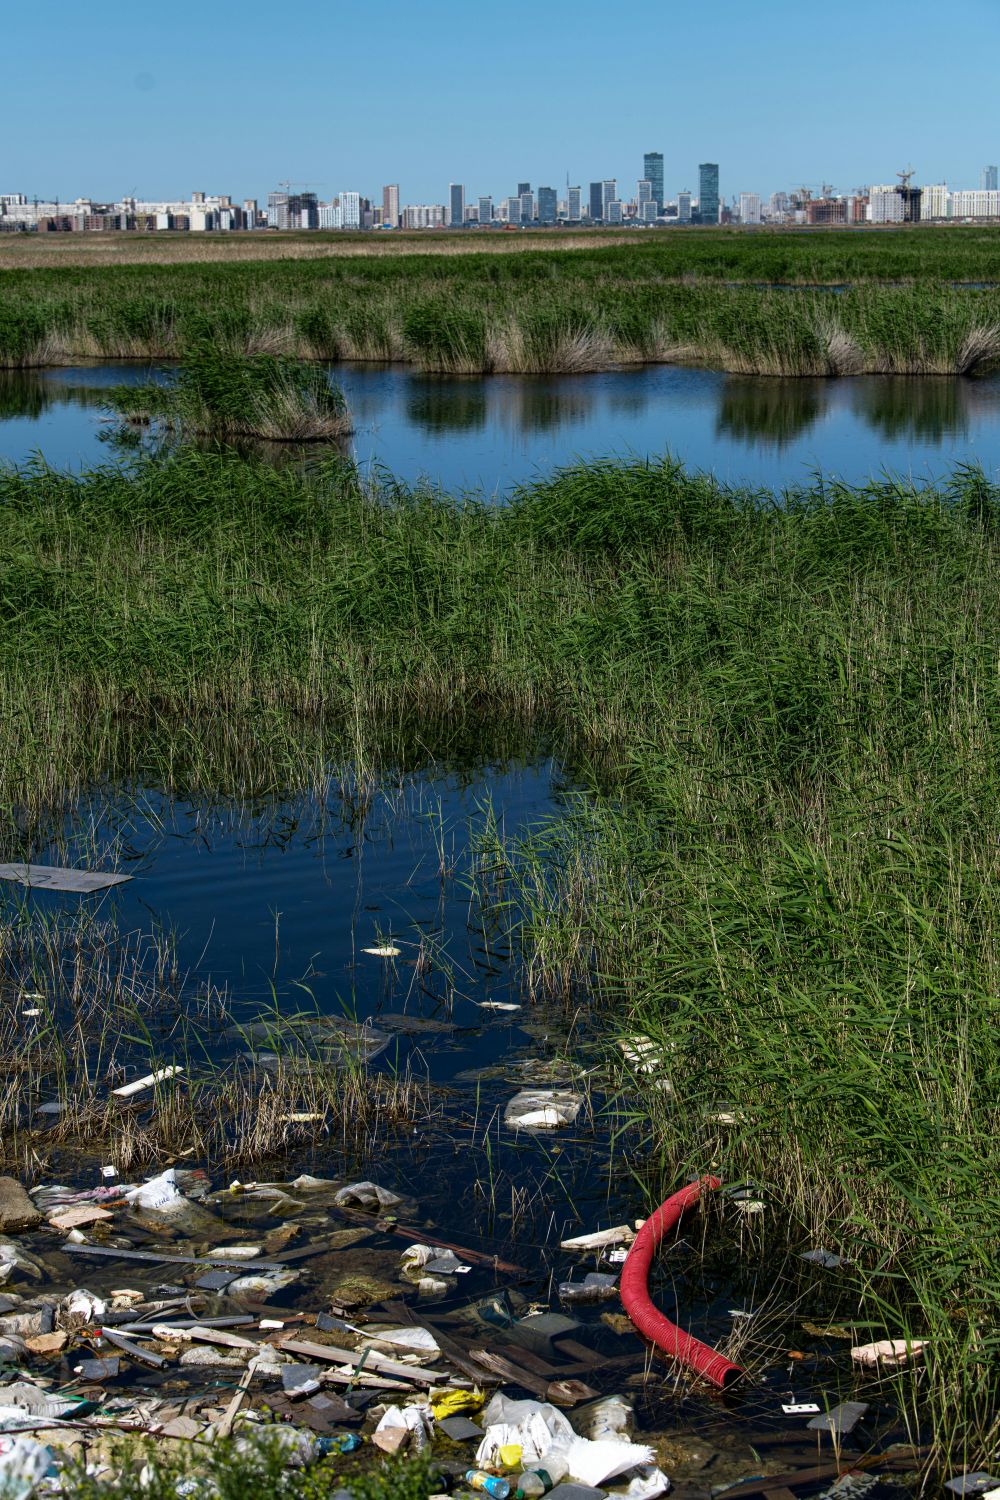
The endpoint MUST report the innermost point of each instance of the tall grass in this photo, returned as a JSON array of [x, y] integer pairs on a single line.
[[785, 711], [743, 304], [220, 395]]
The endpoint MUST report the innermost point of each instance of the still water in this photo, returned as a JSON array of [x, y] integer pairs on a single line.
[[488, 434]]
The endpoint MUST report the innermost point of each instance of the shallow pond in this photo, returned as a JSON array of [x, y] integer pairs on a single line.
[[487, 434]]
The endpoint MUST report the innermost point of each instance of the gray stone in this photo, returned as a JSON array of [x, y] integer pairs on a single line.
[[17, 1212]]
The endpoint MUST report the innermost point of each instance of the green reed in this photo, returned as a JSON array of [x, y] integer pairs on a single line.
[[771, 304]]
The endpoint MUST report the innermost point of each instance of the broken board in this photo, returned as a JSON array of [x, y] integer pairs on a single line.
[[57, 878]]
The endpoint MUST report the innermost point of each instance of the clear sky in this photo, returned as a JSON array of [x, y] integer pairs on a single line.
[[109, 97]]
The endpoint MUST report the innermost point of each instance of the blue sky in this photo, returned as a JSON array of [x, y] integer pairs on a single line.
[[113, 96]]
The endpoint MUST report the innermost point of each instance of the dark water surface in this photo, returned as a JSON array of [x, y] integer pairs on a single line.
[[488, 434]]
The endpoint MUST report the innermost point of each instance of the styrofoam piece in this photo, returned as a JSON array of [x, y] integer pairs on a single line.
[[136, 1087], [60, 878]]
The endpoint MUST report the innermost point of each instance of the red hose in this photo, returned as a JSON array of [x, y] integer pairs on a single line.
[[635, 1293]]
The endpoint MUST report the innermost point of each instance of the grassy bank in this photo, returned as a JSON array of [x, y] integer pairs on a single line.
[[786, 713], [228, 396], [710, 299]]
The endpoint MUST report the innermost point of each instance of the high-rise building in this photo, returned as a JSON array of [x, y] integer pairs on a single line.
[[648, 212], [609, 194], [614, 211], [522, 188], [249, 213], [486, 210], [390, 205], [684, 206], [350, 210], [456, 200], [527, 208], [988, 179], [597, 201], [936, 202], [652, 171], [573, 204], [708, 192], [643, 192], [750, 208], [547, 205]]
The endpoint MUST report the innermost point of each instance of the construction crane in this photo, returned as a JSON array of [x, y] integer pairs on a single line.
[[286, 185], [904, 177]]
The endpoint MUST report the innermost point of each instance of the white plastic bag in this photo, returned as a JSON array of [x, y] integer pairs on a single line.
[[158, 1194], [23, 1464], [542, 1109]]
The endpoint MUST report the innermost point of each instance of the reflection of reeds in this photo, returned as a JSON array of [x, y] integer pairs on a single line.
[[113, 1007]]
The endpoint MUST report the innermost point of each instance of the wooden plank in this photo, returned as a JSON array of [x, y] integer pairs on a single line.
[[379, 1363], [507, 1370], [246, 1266]]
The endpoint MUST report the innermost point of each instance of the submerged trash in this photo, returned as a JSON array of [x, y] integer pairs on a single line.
[[160, 1076], [383, 950], [888, 1353], [365, 1195], [622, 1234], [157, 1194], [839, 1420], [61, 878], [825, 1258], [595, 1287], [542, 1109]]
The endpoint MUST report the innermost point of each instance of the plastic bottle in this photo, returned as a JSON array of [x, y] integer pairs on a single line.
[[498, 1488], [542, 1477], [344, 1442]]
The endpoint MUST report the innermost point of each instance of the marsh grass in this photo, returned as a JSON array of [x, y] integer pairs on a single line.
[[777, 305], [222, 395], [783, 710]]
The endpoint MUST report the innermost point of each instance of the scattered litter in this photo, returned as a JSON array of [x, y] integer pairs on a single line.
[[825, 1258], [541, 1429], [496, 1005], [450, 1403], [136, 1087], [23, 1464], [459, 1429], [542, 1109], [98, 1369], [76, 1218], [611, 1417], [971, 1484], [236, 1252], [156, 1194], [840, 1420], [493, 1484], [420, 1340], [595, 1287], [889, 1353], [407, 1426], [799, 1408], [261, 1287], [365, 1195], [383, 950], [59, 878], [649, 1482], [646, 1056], [620, 1235]]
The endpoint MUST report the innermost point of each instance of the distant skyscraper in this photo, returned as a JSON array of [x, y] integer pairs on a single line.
[[708, 192], [750, 208], [652, 171], [390, 204], [573, 204], [597, 201], [350, 210], [547, 205], [456, 198], [988, 179], [527, 208], [614, 211], [644, 192], [486, 210], [522, 188], [609, 193], [684, 206]]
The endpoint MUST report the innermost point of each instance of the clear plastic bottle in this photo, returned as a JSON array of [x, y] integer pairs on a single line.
[[542, 1477], [607, 1419], [494, 1486]]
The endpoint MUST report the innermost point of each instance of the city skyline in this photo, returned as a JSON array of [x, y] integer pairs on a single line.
[[405, 104]]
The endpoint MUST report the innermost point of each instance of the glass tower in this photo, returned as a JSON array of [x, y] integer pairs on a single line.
[[547, 205], [597, 201], [708, 192], [456, 193], [652, 171]]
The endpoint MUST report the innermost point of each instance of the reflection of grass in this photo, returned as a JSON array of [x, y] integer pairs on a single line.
[[228, 396], [113, 1007]]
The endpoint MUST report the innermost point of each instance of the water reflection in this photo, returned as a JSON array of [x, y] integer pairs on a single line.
[[772, 411], [490, 434]]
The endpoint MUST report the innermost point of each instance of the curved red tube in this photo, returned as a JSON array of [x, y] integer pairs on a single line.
[[635, 1294]]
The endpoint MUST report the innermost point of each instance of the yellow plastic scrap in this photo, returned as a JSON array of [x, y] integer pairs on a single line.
[[452, 1403], [511, 1455]]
